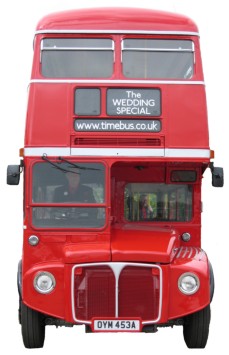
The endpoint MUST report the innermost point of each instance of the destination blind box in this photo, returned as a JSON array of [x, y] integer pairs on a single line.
[[119, 102]]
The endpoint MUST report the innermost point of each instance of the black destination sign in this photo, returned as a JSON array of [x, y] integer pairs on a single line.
[[133, 102]]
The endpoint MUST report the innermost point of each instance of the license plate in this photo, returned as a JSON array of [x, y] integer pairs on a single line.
[[116, 325]]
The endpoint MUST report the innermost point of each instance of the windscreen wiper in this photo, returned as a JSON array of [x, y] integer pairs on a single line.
[[57, 166], [75, 165]]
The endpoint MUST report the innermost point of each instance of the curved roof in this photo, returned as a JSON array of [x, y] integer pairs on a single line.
[[116, 20]]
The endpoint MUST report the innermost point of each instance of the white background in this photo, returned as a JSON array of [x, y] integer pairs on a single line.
[[18, 20]]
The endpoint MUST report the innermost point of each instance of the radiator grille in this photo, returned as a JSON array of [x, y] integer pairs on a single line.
[[137, 293], [94, 293]]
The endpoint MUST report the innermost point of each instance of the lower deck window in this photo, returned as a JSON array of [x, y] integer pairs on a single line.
[[158, 202]]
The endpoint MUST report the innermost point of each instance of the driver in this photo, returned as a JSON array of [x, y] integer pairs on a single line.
[[74, 190]]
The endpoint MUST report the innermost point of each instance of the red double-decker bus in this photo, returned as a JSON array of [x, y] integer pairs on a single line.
[[116, 144]]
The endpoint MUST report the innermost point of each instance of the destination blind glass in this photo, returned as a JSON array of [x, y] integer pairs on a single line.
[[87, 102], [117, 125], [134, 102]]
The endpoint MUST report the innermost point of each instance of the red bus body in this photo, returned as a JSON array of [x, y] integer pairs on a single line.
[[144, 259]]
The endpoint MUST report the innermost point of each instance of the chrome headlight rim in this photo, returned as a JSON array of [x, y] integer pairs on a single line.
[[181, 279], [50, 276]]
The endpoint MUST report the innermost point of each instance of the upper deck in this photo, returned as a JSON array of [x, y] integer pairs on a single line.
[[93, 85]]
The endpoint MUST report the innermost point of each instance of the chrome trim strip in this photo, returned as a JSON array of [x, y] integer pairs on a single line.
[[117, 268], [76, 49], [197, 251], [187, 153], [50, 151], [201, 252], [140, 32], [118, 152], [190, 254], [158, 50], [101, 81], [185, 252], [179, 253]]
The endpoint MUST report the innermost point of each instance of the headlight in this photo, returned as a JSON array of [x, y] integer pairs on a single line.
[[188, 283], [44, 282]]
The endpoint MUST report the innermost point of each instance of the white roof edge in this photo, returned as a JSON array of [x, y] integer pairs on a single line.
[[129, 82], [178, 33]]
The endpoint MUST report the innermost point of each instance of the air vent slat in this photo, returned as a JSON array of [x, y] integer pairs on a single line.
[[120, 142]]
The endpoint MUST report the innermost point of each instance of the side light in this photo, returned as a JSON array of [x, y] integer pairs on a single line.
[[21, 152], [33, 240], [186, 237], [188, 283], [44, 282], [212, 154]]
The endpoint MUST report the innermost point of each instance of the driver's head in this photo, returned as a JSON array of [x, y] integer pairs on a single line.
[[73, 178]]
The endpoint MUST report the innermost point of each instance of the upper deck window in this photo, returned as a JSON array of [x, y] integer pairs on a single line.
[[154, 58], [77, 57]]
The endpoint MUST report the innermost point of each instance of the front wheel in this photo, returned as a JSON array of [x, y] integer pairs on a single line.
[[196, 328], [32, 327]]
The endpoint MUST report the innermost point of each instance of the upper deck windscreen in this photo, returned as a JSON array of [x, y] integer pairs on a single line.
[[94, 58], [154, 58]]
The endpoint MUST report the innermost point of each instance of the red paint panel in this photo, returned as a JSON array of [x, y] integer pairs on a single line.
[[87, 252], [155, 245], [179, 303], [53, 303], [186, 120], [48, 116]]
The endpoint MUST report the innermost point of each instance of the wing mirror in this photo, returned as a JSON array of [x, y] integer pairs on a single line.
[[13, 174], [217, 176]]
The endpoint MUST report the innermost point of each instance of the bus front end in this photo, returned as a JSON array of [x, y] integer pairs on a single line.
[[116, 145]]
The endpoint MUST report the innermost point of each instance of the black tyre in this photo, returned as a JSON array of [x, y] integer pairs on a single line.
[[19, 272], [196, 328], [19, 311], [32, 327], [212, 282]]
